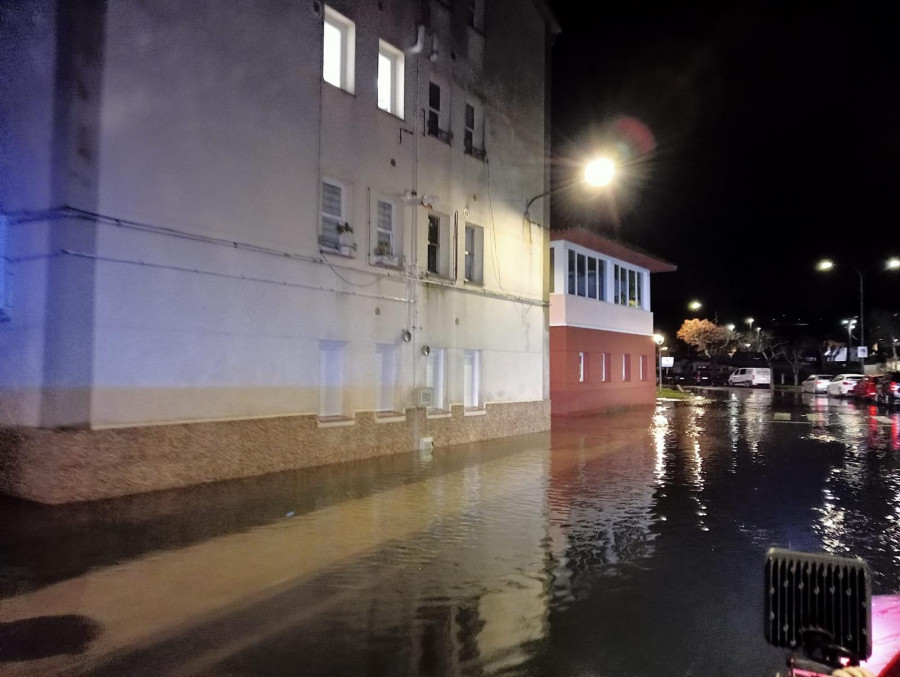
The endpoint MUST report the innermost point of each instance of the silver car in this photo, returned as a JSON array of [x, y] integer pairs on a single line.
[[816, 383]]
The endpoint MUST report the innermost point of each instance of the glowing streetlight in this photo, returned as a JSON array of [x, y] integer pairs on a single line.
[[892, 263], [729, 326], [695, 305], [750, 322], [659, 339], [599, 172]]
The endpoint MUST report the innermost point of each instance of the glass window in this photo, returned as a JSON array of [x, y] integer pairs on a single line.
[[338, 36], [571, 271], [434, 243], [623, 287], [616, 283], [552, 269], [469, 137], [581, 367], [640, 288], [474, 253], [390, 79], [332, 215], [601, 279], [384, 229], [434, 109], [632, 288], [581, 276], [592, 277]]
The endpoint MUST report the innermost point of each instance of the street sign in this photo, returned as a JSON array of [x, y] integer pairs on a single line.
[[862, 351], [666, 361]]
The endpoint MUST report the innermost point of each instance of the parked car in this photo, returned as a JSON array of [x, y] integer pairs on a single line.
[[865, 389], [888, 389], [842, 384], [750, 376], [817, 383]]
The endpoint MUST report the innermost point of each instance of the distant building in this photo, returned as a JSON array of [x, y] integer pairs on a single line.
[[602, 354], [244, 237]]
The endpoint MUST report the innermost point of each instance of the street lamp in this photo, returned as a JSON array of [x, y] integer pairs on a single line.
[[695, 305], [826, 265], [729, 326], [659, 339], [598, 173], [750, 322]]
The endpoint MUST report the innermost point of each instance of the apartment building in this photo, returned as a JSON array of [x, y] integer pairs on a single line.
[[245, 237]]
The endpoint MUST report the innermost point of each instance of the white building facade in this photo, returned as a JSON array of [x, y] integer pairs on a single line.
[[254, 236]]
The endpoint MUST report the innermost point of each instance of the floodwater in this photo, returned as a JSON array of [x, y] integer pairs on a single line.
[[628, 544]]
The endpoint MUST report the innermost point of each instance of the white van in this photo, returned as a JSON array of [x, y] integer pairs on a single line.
[[751, 376]]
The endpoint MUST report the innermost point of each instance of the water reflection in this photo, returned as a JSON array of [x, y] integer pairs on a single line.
[[620, 544]]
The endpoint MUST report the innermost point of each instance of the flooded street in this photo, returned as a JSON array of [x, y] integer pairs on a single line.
[[628, 544]]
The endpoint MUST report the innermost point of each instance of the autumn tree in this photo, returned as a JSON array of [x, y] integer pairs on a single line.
[[707, 338]]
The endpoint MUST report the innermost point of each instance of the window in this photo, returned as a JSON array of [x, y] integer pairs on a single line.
[[581, 367], [605, 362], [333, 217], [473, 138], [331, 378], [438, 117], [434, 377], [474, 254], [472, 379], [586, 275], [384, 229], [390, 79], [438, 256], [338, 38], [628, 287], [644, 363], [552, 270], [386, 366], [626, 367]]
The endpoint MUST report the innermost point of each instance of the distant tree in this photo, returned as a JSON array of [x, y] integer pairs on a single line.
[[769, 346], [792, 351], [707, 338]]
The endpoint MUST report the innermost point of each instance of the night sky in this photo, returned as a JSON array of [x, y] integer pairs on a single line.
[[778, 143]]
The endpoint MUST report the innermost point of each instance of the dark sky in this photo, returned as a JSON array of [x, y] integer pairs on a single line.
[[778, 142]]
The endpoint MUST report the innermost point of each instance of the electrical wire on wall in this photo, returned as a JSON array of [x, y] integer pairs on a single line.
[[494, 260]]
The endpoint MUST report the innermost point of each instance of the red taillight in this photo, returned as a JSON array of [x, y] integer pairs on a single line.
[[848, 383]]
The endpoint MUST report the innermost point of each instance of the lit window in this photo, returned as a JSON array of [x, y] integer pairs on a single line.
[[474, 254], [384, 230], [386, 366], [338, 39], [434, 377], [331, 378], [472, 379], [333, 219], [390, 79]]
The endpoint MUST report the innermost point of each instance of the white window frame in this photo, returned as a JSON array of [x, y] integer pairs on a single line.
[[346, 30], [442, 112], [436, 377], [605, 367], [475, 147], [324, 239], [473, 253], [331, 378], [380, 234], [581, 367], [390, 101], [386, 381], [472, 379], [444, 255]]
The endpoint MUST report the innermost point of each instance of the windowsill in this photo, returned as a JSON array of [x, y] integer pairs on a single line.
[[444, 137], [335, 421], [389, 417], [339, 89], [438, 277], [475, 411], [395, 116], [477, 154], [437, 413], [473, 283], [344, 252], [392, 262]]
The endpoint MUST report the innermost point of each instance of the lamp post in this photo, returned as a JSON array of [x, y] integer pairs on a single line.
[[825, 265], [850, 324], [659, 339], [598, 173]]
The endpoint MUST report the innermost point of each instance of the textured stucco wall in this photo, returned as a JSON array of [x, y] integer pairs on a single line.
[[61, 466]]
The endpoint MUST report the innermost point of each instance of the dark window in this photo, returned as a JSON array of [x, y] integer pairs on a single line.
[[571, 272], [592, 278], [434, 240], [434, 109], [469, 137], [582, 277]]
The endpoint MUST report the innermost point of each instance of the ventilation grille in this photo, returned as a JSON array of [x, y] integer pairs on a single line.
[[812, 592]]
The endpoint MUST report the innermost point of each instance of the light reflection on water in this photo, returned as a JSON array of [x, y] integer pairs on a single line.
[[622, 544]]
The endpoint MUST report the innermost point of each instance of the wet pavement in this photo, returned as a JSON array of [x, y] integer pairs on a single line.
[[627, 544]]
